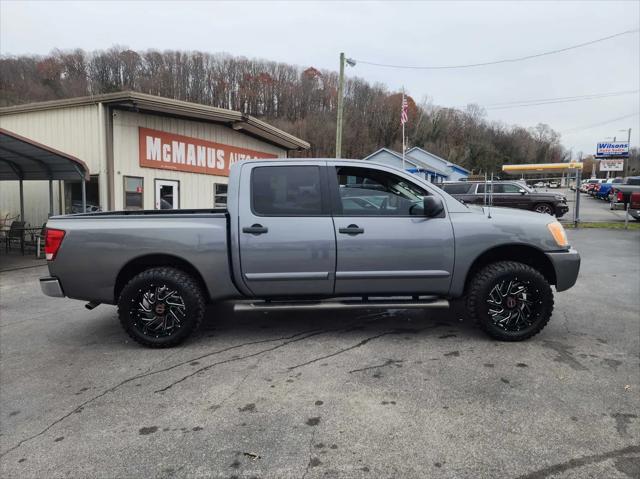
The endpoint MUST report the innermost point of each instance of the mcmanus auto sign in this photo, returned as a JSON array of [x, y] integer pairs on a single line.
[[620, 148], [168, 151]]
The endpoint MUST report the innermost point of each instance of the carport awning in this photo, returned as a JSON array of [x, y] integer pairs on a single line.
[[25, 159]]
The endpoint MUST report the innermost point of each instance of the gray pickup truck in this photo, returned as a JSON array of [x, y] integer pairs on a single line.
[[313, 234]]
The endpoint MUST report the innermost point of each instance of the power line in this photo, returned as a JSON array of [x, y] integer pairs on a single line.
[[497, 62], [550, 101], [606, 122]]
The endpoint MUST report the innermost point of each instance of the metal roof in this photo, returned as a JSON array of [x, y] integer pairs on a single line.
[[421, 165], [446, 162], [25, 159], [176, 108]]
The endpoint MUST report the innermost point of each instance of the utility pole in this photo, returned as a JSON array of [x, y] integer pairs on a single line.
[[340, 105], [626, 163], [340, 108]]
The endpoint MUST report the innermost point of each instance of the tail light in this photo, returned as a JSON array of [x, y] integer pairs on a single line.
[[620, 197], [52, 241]]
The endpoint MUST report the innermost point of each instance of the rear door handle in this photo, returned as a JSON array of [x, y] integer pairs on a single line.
[[255, 229], [351, 230]]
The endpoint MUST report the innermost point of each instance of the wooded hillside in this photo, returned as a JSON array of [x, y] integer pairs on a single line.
[[299, 100]]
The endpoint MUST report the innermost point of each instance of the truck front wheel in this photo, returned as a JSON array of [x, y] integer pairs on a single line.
[[161, 307], [511, 301]]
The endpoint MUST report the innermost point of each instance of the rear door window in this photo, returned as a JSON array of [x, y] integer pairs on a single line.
[[286, 191]]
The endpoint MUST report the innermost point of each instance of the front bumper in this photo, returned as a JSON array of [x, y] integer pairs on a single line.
[[561, 210], [51, 287], [566, 265]]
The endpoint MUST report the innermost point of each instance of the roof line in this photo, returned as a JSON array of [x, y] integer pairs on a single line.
[[448, 163], [76, 161], [413, 160], [186, 109]]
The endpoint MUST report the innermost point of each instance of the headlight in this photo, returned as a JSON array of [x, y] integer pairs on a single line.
[[558, 233], [561, 198]]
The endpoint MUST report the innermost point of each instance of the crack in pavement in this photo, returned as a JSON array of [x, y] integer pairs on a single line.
[[313, 436], [239, 358], [388, 362], [288, 339], [140, 376], [579, 462], [360, 344], [312, 333]]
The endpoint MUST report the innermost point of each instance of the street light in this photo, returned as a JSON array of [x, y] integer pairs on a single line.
[[352, 63], [626, 163]]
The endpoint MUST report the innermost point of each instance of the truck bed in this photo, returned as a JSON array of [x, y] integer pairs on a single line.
[[101, 248]]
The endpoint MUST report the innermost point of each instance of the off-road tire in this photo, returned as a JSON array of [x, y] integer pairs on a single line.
[[485, 280], [188, 289]]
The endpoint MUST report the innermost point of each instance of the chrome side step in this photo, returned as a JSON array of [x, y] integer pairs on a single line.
[[389, 303]]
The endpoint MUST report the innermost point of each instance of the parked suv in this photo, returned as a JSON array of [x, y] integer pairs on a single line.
[[507, 193]]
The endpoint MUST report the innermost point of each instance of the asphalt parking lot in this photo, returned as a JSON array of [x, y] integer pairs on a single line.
[[591, 209], [366, 394]]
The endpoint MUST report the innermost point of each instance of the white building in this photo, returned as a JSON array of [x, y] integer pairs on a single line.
[[142, 151], [454, 172], [393, 158], [422, 163]]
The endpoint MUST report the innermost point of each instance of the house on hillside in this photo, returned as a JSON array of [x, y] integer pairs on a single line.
[[422, 163], [455, 172], [389, 157]]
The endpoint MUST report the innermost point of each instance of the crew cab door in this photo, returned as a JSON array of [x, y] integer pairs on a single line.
[[382, 248], [286, 237]]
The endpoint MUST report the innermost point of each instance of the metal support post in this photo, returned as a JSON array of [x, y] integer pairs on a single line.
[[576, 212], [340, 107], [50, 198], [21, 201]]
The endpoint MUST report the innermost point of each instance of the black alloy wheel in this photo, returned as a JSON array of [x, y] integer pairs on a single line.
[[161, 307], [511, 301]]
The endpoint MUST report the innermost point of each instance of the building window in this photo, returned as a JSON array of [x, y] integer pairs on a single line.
[[219, 195], [133, 191]]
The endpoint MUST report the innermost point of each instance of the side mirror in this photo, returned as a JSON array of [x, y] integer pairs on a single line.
[[522, 191], [432, 206]]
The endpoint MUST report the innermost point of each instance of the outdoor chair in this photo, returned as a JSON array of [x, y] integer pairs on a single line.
[[15, 234], [36, 239]]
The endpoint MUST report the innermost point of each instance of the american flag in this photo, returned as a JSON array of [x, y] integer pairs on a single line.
[[404, 114]]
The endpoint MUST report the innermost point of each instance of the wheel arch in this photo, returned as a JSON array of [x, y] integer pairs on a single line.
[[522, 253], [144, 262]]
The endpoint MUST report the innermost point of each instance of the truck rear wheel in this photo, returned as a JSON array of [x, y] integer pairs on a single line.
[[511, 301], [161, 307]]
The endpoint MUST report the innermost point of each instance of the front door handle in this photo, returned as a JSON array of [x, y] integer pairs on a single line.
[[255, 229], [351, 230]]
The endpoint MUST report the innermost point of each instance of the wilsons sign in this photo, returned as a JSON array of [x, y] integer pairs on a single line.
[[168, 151], [620, 148]]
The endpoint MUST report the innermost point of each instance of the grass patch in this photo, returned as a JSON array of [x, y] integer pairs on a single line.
[[617, 225]]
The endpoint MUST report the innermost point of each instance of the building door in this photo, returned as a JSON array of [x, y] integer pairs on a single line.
[[167, 195], [382, 247]]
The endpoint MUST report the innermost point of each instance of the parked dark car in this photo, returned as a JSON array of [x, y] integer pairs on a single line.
[[509, 194]]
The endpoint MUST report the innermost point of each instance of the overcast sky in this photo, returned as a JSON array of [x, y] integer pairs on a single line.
[[402, 33]]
